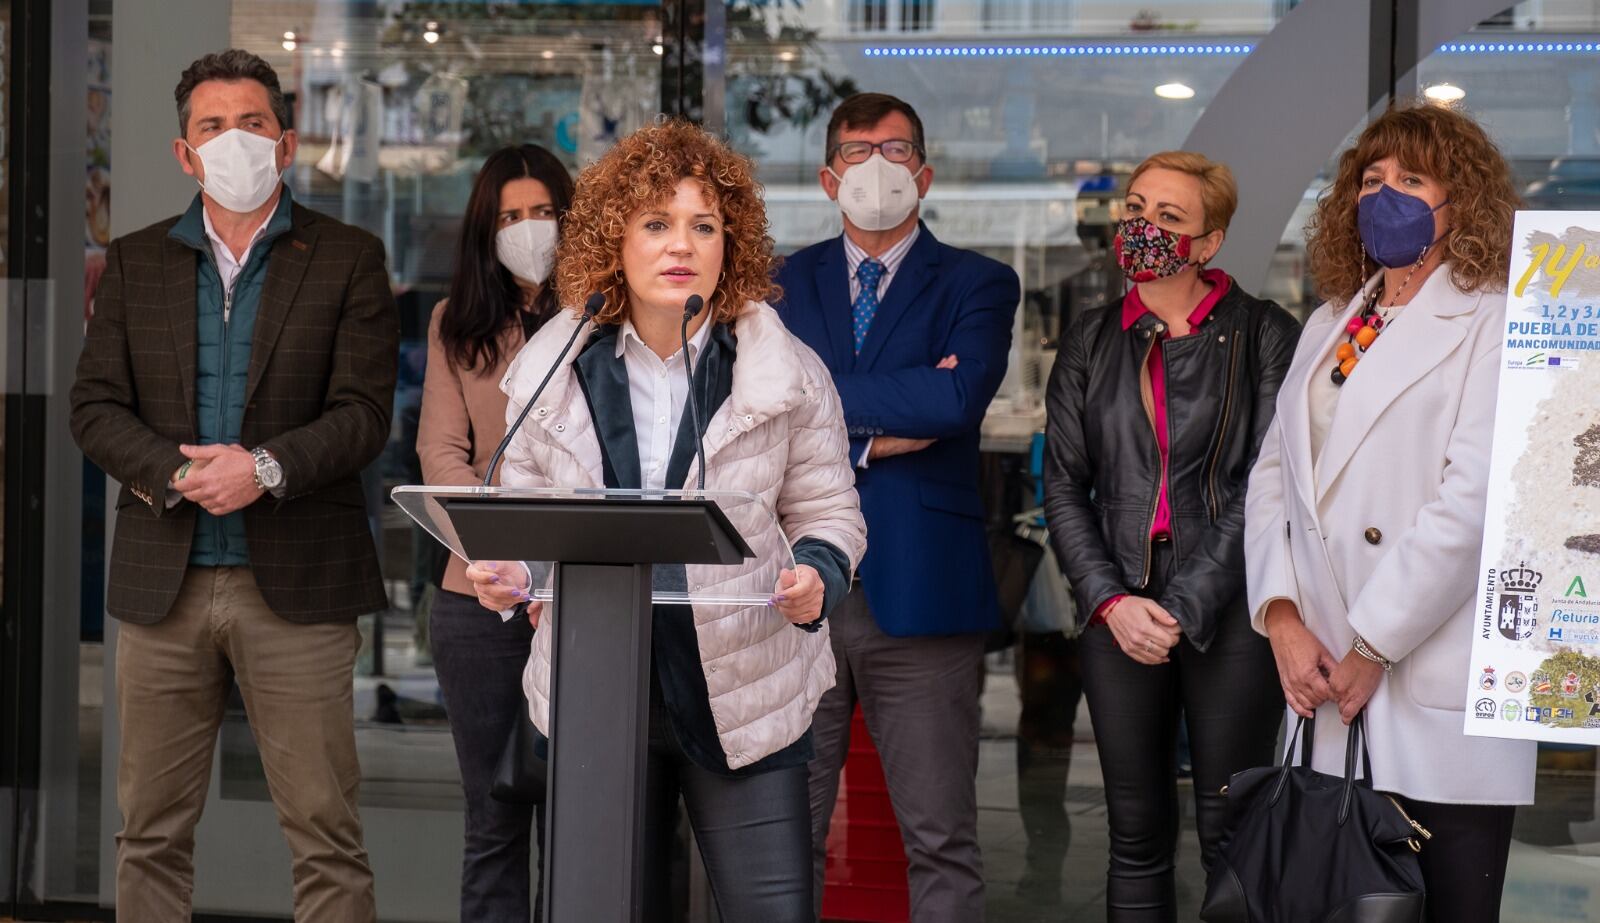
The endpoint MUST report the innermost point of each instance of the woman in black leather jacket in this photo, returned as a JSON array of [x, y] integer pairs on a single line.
[[1157, 407]]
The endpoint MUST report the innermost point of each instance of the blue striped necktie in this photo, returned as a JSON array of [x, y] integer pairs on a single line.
[[869, 273]]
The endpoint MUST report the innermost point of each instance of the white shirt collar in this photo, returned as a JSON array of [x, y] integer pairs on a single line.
[[697, 341], [220, 249], [890, 258]]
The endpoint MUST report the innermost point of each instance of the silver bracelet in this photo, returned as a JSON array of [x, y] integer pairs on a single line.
[[1364, 649]]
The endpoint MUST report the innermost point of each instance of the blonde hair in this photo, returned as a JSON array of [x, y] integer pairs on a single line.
[[1219, 194]]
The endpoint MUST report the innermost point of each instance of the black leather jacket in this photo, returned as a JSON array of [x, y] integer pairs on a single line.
[[1102, 464]]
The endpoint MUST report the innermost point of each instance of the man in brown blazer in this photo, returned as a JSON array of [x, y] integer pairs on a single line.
[[237, 375]]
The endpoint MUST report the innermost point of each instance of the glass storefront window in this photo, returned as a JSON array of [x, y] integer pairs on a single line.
[[1035, 111]]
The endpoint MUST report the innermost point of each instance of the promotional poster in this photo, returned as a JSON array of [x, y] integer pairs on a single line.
[[1535, 671]]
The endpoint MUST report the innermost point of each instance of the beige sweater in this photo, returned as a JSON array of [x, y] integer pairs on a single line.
[[463, 420]]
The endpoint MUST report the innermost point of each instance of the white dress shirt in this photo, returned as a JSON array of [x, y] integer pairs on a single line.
[[228, 267], [658, 390], [891, 260]]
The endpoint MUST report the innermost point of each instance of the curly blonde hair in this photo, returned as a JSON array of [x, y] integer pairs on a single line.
[[642, 171], [1451, 148]]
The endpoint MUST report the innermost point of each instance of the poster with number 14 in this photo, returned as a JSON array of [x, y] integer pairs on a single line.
[[1535, 670]]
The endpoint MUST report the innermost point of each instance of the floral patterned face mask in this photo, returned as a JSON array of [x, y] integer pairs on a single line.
[[1147, 253]]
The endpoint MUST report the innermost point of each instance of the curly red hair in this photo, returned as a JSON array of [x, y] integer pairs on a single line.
[[1449, 147], [643, 170]]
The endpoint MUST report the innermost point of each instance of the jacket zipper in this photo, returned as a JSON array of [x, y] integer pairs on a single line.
[[1161, 466], [222, 384], [1222, 431]]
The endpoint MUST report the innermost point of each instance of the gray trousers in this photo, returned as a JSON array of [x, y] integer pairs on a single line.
[[920, 700]]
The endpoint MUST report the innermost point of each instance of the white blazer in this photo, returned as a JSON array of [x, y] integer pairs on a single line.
[[1383, 540]]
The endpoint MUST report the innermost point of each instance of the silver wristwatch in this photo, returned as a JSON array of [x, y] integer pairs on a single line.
[[269, 474]]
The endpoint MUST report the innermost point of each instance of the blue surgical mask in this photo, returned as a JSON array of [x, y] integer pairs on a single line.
[[1396, 227]]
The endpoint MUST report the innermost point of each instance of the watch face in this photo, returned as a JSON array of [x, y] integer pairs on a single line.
[[268, 471]]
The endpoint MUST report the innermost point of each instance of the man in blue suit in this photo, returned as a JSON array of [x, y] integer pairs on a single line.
[[916, 335]]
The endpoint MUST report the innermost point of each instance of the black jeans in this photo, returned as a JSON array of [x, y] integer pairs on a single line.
[[1464, 865], [479, 660], [1232, 703], [754, 832]]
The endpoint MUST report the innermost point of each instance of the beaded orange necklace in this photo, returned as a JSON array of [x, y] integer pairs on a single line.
[[1363, 329]]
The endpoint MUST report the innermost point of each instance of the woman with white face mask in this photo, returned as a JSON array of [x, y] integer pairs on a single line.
[[498, 299]]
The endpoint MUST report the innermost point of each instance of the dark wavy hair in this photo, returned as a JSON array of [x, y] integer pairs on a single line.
[[233, 64], [484, 296], [1441, 143]]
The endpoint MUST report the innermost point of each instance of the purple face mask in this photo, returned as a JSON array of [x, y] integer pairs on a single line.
[[1396, 227]]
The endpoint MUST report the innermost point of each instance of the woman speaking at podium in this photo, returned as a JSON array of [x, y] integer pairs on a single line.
[[670, 217]]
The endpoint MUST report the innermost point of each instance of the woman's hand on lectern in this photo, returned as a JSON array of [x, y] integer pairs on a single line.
[[799, 594], [501, 585]]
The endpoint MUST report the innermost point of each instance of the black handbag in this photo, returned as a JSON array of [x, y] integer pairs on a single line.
[[519, 777], [1307, 847]]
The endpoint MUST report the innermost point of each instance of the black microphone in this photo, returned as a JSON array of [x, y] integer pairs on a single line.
[[690, 308], [590, 309]]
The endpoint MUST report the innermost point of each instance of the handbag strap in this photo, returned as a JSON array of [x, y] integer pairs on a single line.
[[1356, 741], [1288, 757]]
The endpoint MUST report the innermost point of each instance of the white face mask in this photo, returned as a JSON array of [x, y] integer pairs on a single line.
[[241, 169], [877, 195], [527, 248]]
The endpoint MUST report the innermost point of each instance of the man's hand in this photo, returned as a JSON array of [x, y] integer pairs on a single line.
[[889, 446], [799, 594], [886, 446], [222, 478], [1145, 631], [183, 471]]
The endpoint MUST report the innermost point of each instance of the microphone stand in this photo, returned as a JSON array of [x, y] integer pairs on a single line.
[[590, 309], [691, 307]]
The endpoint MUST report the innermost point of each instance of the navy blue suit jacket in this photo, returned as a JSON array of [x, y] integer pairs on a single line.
[[927, 568]]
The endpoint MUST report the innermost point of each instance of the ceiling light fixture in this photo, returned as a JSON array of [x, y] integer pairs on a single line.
[[1175, 91], [1445, 93]]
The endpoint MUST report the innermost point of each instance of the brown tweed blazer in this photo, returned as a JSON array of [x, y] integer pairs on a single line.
[[319, 396]]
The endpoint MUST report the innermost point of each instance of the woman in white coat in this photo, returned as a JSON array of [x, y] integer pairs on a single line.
[[1365, 508], [667, 214]]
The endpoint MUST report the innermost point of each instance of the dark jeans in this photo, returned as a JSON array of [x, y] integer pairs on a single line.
[[1464, 865], [754, 833], [479, 661], [1231, 701]]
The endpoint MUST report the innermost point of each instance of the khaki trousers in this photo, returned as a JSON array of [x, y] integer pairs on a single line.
[[172, 686]]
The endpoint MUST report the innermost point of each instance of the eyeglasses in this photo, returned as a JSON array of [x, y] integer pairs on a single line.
[[894, 151]]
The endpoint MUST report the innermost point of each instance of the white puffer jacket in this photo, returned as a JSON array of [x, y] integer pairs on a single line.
[[780, 435]]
